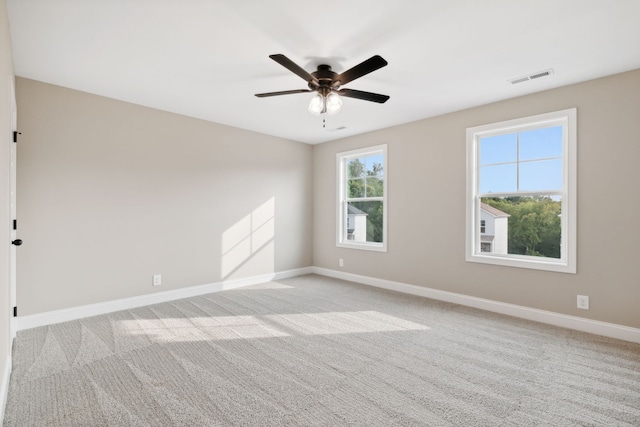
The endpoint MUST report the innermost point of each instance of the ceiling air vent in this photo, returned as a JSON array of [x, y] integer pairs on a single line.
[[533, 76]]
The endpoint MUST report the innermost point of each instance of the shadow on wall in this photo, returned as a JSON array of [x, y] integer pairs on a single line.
[[248, 247]]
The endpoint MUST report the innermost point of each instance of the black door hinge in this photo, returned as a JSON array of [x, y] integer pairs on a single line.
[[15, 224], [15, 135], [15, 311]]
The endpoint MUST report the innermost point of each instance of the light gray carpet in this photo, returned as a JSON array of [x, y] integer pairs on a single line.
[[313, 351]]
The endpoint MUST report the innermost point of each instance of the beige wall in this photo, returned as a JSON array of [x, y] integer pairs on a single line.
[[6, 75], [426, 228], [110, 193]]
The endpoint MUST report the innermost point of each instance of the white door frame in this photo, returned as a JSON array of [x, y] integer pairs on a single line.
[[12, 259]]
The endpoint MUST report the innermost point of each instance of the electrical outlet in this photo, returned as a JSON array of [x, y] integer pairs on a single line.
[[157, 279], [341, 262], [583, 302]]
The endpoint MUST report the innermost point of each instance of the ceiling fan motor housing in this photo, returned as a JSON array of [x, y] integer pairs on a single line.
[[326, 80]]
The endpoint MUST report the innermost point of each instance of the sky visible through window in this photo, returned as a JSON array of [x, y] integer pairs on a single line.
[[368, 163], [521, 161]]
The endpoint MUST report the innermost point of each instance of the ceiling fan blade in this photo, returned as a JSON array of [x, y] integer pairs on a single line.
[[364, 68], [366, 96], [284, 92], [294, 68]]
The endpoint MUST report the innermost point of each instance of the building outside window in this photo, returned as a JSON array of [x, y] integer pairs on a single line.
[[494, 230]]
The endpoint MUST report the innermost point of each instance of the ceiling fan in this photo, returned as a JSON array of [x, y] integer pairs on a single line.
[[328, 84]]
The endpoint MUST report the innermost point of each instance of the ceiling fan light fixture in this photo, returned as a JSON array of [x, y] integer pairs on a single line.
[[321, 104]]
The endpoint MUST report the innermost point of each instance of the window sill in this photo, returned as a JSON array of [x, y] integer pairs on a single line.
[[518, 261], [377, 247]]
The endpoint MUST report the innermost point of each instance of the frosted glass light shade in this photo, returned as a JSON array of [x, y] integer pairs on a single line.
[[333, 103], [316, 106]]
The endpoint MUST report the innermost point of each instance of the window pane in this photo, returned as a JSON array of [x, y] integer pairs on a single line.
[[375, 187], [498, 179], [532, 226], [355, 188], [542, 175], [361, 175], [541, 143], [355, 168], [498, 149], [364, 221]]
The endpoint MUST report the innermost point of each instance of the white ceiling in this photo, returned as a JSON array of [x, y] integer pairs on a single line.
[[207, 58]]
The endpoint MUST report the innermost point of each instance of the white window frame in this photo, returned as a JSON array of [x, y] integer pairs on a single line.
[[341, 220], [567, 261]]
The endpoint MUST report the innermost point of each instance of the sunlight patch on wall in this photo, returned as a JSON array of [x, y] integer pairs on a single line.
[[247, 246], [216, 328]]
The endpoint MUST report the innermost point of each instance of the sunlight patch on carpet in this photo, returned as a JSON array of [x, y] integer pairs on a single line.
[[268, 326]]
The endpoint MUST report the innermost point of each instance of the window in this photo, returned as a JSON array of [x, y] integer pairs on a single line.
[[521, 192], [362, 199]]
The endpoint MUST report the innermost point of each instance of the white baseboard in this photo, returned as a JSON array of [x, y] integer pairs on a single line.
[[611, 330], [4, 385], [571, 322], [12, 327], [73, 313]]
